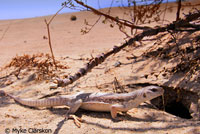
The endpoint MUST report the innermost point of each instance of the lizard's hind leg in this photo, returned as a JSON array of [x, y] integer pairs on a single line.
[[74, 106]]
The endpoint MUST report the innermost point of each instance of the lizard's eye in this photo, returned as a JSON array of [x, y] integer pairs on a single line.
[[154, 90], [144, 95]]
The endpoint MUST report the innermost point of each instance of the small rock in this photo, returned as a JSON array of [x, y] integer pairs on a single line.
[[117, 64], [53, 86]]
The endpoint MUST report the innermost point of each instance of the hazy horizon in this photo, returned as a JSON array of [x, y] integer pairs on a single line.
[[20, 9]]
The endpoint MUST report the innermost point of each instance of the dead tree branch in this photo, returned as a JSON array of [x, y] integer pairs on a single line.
[[118, 21], [150, 32]]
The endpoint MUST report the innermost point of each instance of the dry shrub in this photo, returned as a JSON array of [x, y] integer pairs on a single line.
[[41, 64]]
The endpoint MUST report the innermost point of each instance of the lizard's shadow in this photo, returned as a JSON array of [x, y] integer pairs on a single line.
[[59, 126], [106, 115], [124, 116], [62, 112]]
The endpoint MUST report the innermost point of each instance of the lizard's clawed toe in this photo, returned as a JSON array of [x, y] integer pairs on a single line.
[[77, 120], [117, 119]]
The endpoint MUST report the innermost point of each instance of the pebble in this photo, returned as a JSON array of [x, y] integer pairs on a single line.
[[117, 63], [53, 86]]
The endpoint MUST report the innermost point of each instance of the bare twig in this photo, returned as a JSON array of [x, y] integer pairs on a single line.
[[50, 46], [87, 30], [117, 85], [50, 95], [49, 35], [178, 10], [63, 6]]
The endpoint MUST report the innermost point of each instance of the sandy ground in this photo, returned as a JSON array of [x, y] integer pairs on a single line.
[[25, 36]]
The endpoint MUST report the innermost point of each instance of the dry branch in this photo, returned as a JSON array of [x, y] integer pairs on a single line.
[[118, 21], [50, 46], [49, 35], [178, 10], [150, 32]]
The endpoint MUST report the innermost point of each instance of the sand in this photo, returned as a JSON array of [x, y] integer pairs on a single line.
[[26, 36]]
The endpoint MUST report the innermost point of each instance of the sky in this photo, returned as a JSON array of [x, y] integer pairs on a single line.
[[19, 9]]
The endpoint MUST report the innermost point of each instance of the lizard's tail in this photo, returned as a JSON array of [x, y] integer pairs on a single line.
[[59, 101]]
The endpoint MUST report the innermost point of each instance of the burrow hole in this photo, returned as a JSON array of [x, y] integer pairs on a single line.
[[178, 109]]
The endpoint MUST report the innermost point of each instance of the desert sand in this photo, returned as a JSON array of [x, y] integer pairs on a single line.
[[72, 49]]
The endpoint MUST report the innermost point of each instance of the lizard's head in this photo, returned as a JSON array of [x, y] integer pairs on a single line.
[[151, 92]]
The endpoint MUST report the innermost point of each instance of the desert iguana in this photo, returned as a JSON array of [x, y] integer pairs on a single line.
[[105, 102]]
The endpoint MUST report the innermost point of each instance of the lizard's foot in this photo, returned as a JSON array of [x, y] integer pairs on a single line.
[[77, 120], [117, 119]]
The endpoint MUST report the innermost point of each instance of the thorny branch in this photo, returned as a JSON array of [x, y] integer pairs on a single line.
[[176, 25]]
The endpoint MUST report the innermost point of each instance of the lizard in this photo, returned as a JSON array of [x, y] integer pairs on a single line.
[[101, 102]]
